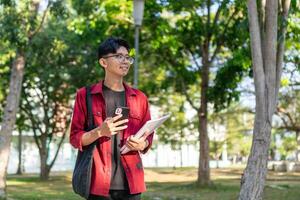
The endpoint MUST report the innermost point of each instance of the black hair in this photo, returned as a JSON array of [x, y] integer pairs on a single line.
[[111, 45]]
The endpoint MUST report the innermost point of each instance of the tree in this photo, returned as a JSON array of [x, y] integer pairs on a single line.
[[21, 127], [48, 119], [267, 50], [180, 128], [68, 46], [191, 38], [288, 146], [288, 112], [47, 91], [20, 22], [288, 105], [238, 123]]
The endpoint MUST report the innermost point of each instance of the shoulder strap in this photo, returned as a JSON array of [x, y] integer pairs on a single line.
[[89, 108]]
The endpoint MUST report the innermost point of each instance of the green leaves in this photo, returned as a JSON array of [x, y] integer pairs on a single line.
[[173, 39], [228, 77]]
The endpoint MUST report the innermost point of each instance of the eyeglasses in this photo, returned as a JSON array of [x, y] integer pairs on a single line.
[[121, 58]]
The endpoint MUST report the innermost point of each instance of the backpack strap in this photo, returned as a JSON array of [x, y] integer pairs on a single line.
[[90, 116]]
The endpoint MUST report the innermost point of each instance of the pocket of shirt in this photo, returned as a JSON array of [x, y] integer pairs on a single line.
[[98, 117], [134, 116]]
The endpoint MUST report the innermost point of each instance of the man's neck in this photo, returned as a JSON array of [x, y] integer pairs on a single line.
[[114, 84]]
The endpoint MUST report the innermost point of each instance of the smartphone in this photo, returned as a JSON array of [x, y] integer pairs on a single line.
[[122, 110]]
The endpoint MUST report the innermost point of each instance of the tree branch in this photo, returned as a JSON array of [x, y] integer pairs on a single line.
[[208, 19], [262, 16], [287, 114], [33, 33], [58, 148], [283, 120], [34, 128], [46, 119], [220, 37], [216, 19], [270, 55], [289, 128], [55, 110], [256, 54], [184, 90], [281, 41], [194, 58], [30, 113]]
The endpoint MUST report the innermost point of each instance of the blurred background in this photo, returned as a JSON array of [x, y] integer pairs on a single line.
[[179, 46]]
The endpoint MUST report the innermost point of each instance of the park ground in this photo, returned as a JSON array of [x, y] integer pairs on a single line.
[[162, 184]]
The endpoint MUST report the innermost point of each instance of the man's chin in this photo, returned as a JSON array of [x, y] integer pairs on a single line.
[[123, 73]]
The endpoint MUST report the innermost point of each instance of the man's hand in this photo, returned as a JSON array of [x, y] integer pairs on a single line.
[[111, 126], [135, 144], [108, 128]]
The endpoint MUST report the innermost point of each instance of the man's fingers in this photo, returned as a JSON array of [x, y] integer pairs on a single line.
[[110, 125], [114, 133], [118, 123], [129, 146], [119, 128], [146, 134], [133, 139], [115, 118]]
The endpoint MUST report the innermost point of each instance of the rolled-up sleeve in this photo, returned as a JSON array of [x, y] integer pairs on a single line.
[[78, 120]]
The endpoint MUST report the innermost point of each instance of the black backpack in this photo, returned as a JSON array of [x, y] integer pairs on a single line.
[[81, 179]]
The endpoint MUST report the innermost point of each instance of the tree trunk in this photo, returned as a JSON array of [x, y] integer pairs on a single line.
[[9, 117], [44, 155], [217, 162], [204, 170], [181, 157], [267, 58], [44, 173], [253, 180], [20, 168], [298, 146]]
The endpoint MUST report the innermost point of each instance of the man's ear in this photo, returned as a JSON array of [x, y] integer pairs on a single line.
[[103, 62]]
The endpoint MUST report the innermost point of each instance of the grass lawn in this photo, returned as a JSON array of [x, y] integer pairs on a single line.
[[162, 183]]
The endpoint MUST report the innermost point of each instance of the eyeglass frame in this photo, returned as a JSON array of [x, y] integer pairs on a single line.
[[127, 58]]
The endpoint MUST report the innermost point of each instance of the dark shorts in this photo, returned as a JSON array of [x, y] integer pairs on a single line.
[[117, 195]]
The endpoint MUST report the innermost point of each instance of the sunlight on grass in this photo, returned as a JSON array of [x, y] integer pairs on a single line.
[[16, 183], [162, 184]]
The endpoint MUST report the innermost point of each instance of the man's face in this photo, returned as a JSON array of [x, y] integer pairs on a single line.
[[116, 64]]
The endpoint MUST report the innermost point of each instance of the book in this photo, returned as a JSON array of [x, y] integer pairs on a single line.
[[149, 126]]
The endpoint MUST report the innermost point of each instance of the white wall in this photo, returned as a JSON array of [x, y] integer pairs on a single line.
[[162, 156]]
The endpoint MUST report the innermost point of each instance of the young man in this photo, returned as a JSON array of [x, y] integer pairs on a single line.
[[114, 175]]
